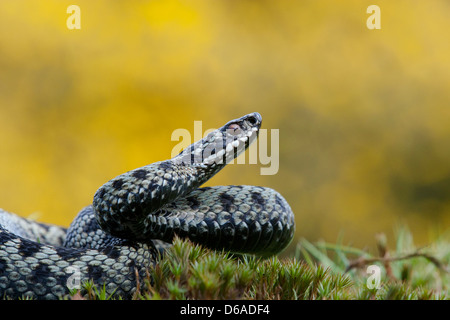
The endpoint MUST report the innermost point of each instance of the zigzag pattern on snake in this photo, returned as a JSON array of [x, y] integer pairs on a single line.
[[117, 238]]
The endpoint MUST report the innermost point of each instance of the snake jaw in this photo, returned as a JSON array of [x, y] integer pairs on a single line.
[[222, 145]]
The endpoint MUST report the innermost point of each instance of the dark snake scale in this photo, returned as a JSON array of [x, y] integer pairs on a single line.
[[134, 216]]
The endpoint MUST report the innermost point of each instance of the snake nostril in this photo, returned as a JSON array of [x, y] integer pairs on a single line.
[[252, 120]]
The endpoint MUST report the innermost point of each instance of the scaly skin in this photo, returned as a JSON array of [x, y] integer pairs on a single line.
[[113, 241]]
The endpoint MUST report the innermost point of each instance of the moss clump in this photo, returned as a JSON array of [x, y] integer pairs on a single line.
[[315, 271]]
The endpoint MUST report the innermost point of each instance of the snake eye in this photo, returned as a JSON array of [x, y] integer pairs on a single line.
[[234, 129]]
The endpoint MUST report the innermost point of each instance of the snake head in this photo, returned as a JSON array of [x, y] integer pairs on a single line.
[[221, 146]]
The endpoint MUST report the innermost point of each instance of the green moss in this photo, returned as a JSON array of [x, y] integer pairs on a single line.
[[315, 271]]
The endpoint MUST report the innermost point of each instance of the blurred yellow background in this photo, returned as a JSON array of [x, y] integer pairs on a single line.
[[363, 115]]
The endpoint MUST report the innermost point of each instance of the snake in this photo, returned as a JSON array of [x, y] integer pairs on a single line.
[[135, 216]]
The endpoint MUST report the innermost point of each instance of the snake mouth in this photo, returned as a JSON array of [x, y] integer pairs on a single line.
[[221, 146], [228, 142]]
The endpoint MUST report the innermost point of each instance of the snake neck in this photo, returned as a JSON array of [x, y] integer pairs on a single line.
[[124, 202]]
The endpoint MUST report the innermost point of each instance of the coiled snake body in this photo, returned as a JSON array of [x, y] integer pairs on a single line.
[[113, 241]]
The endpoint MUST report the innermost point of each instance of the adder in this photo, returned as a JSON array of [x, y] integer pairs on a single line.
[[115, 240]]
